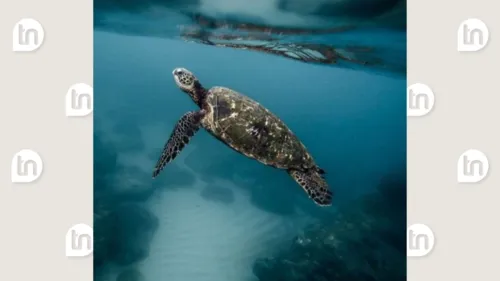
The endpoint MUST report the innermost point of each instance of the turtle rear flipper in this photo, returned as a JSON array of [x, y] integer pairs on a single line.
[[314, 185], [185, 128]]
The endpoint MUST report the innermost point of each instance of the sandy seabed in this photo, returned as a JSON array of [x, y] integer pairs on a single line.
[[202, 239]]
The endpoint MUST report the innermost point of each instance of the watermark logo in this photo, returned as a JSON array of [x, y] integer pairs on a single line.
[[27, 166], [79, 241], [420, 99], [27, 35], [419, 240], [79, 100], [472, 166], [472, 36]]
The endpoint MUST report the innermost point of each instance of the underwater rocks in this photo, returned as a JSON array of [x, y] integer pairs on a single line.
[[135, 227], [123, 228], [111, 177], [356, 244], [117, 182], [130, 275], [123, 234]]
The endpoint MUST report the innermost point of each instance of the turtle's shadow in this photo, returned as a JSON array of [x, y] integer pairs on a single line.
[[270, 189]]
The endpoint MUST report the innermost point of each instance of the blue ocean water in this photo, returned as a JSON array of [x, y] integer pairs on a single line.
[[216, 215]]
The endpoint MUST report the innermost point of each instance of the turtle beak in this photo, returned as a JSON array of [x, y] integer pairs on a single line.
[[179, 71], [176, 73]]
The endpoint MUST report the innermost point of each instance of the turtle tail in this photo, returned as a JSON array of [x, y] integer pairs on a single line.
[[320, 171]]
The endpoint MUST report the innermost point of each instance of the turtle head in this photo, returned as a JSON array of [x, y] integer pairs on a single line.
[[189, 84], [184, 79]]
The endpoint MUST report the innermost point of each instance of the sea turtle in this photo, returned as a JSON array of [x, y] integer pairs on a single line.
[[248, 128]]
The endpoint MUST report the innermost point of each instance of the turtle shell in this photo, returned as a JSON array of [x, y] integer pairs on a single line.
[[252, 130]]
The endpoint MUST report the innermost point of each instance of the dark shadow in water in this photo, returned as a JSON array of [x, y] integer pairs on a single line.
[[115, 182], [364, 241], [123, 234], [270, 189], [130, 275], [218, 194], [123, 228], [271, 197]]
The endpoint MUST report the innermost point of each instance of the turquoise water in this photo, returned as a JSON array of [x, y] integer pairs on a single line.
[[215, 215]]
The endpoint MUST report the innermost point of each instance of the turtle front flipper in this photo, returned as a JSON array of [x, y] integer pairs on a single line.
[[314, 185], [185, 128]]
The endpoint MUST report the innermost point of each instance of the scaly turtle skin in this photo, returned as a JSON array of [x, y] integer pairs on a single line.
[[248, 128]]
